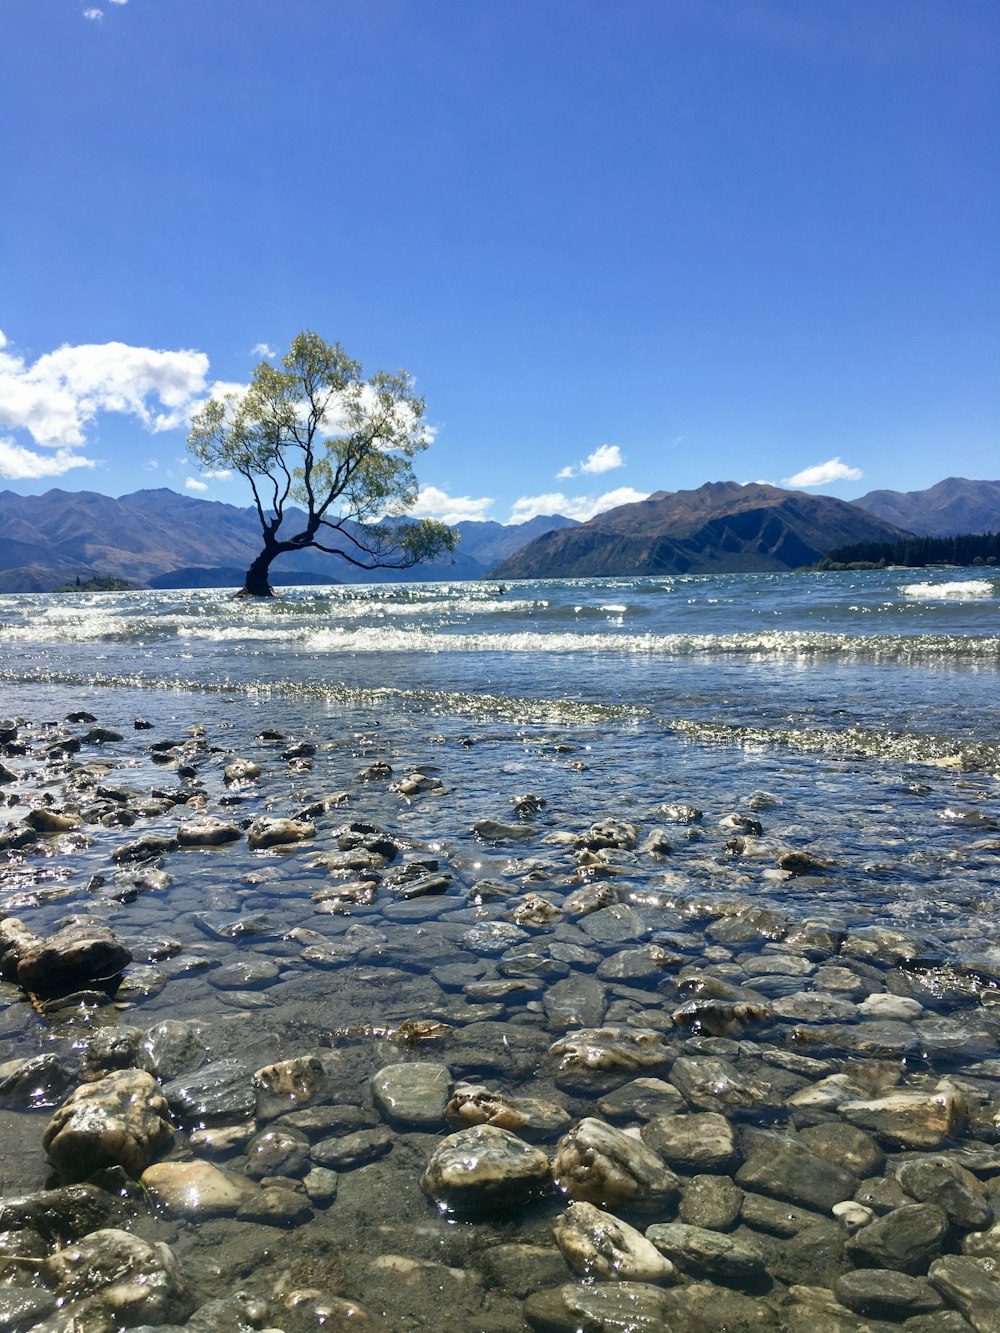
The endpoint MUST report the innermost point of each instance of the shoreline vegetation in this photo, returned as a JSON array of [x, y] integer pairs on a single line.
[[959, 552]]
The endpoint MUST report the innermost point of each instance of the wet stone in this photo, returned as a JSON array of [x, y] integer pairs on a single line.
[[711, 1202], [597, 1244], [278, 1151], [708, 1082], [321, 1186], [909, 1119], [414, 1094], [884, 1294], [216, 1092], [642, 1099], [528, 1117], [577, 1001], [193, 1189], [614, 925], [147, 847], [40, 1081], [782, 1168], [24, 1307], [352, 1150], [972, 1286], [950, 1187], [647, 963], [905, 1240], [492, 937], [597, 1163], [599, 1058], [73, 957], [138, 1282], [120, 1120], [610, 1307], [245, 972], [207, 832], [710, 1252], [845, 1146], [485, 1168], [265, 833], [701, 1141], [170, 1049]]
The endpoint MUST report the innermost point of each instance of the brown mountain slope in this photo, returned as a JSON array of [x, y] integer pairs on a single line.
[[721, 527]]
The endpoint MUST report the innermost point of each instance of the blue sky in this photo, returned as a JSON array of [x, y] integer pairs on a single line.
[[622, 248]]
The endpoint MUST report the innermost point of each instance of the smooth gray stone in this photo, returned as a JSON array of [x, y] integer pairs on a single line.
[[711, 1202], [278, 1151], [905, 1240], [784, 1169], [708, 1252], [884, 1294], [218, 1091], [844, 1146], [608, 1307], [614, 925], [714, 1084], [413, 1094], [957, 1192], [970, 1285], [171, 1049], [243, 973], [357, 1149], [642, 1099], [577, 1001], [492, 937], [701, 1141]]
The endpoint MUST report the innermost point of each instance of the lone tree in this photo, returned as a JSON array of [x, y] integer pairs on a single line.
[[316, 434]]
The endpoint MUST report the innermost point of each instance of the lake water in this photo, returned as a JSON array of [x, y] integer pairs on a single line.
[[853, 715]]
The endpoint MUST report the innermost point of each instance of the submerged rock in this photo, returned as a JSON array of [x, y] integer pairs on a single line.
[[597, 1163], [597, 1244], [194, 1189], [485, 1168], [529, 1117], [137, 1282], [413, 1094], [121, 1120], [71, 958], [615, 1307]]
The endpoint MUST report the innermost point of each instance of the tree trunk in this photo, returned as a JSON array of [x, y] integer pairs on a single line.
[[256, 582]]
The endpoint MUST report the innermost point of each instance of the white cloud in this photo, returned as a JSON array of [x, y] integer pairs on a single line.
[[218, 474], [192, 484], [152, 465], [57, 397], [19, 464], [93, 14], [581, 507], [435, 503], [262, 349], [605, 458], [822, 474]]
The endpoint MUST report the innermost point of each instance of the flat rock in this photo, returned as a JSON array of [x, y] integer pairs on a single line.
[[289, 1085], [584, 1058], [713, 1084], [884, 1294], [207, 832], [710, 1252], [577, 1001], [971, 1285], [909, 1119], [785, 1169], [711, 1202], [278, 1151], [485, 1168], [413, 1094], [278, 832], [610, 1307], [905, 1240], [216, 1092], [350, 1150], [957, 1192], [701, 1141], [193, 1189], [170, 1049]]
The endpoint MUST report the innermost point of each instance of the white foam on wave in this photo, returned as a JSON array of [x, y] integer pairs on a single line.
[[965, 590]]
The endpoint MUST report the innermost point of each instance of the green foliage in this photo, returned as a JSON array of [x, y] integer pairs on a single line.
[[313, 432], [916, 552], [97, 583]]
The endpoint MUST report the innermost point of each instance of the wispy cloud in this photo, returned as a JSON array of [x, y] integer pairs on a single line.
[[576, 506], [435, 503], [262, 349], [96, 14], [605, 458], [824, 474], [193, 484], [218, 474]]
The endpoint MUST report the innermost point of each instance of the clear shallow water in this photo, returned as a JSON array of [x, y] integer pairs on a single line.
[[854, 714]]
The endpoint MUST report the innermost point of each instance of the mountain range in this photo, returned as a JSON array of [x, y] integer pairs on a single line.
[[163, 539]]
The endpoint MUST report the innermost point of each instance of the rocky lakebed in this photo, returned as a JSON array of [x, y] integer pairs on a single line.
[[305, 1027]]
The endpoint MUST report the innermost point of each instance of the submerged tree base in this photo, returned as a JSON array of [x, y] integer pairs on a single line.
[[246, 591]]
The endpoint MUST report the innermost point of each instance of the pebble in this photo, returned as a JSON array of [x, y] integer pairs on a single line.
[[484, 1169], [413, 1095]]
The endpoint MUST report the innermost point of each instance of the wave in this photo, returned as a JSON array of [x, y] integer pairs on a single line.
[[961, 590]]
